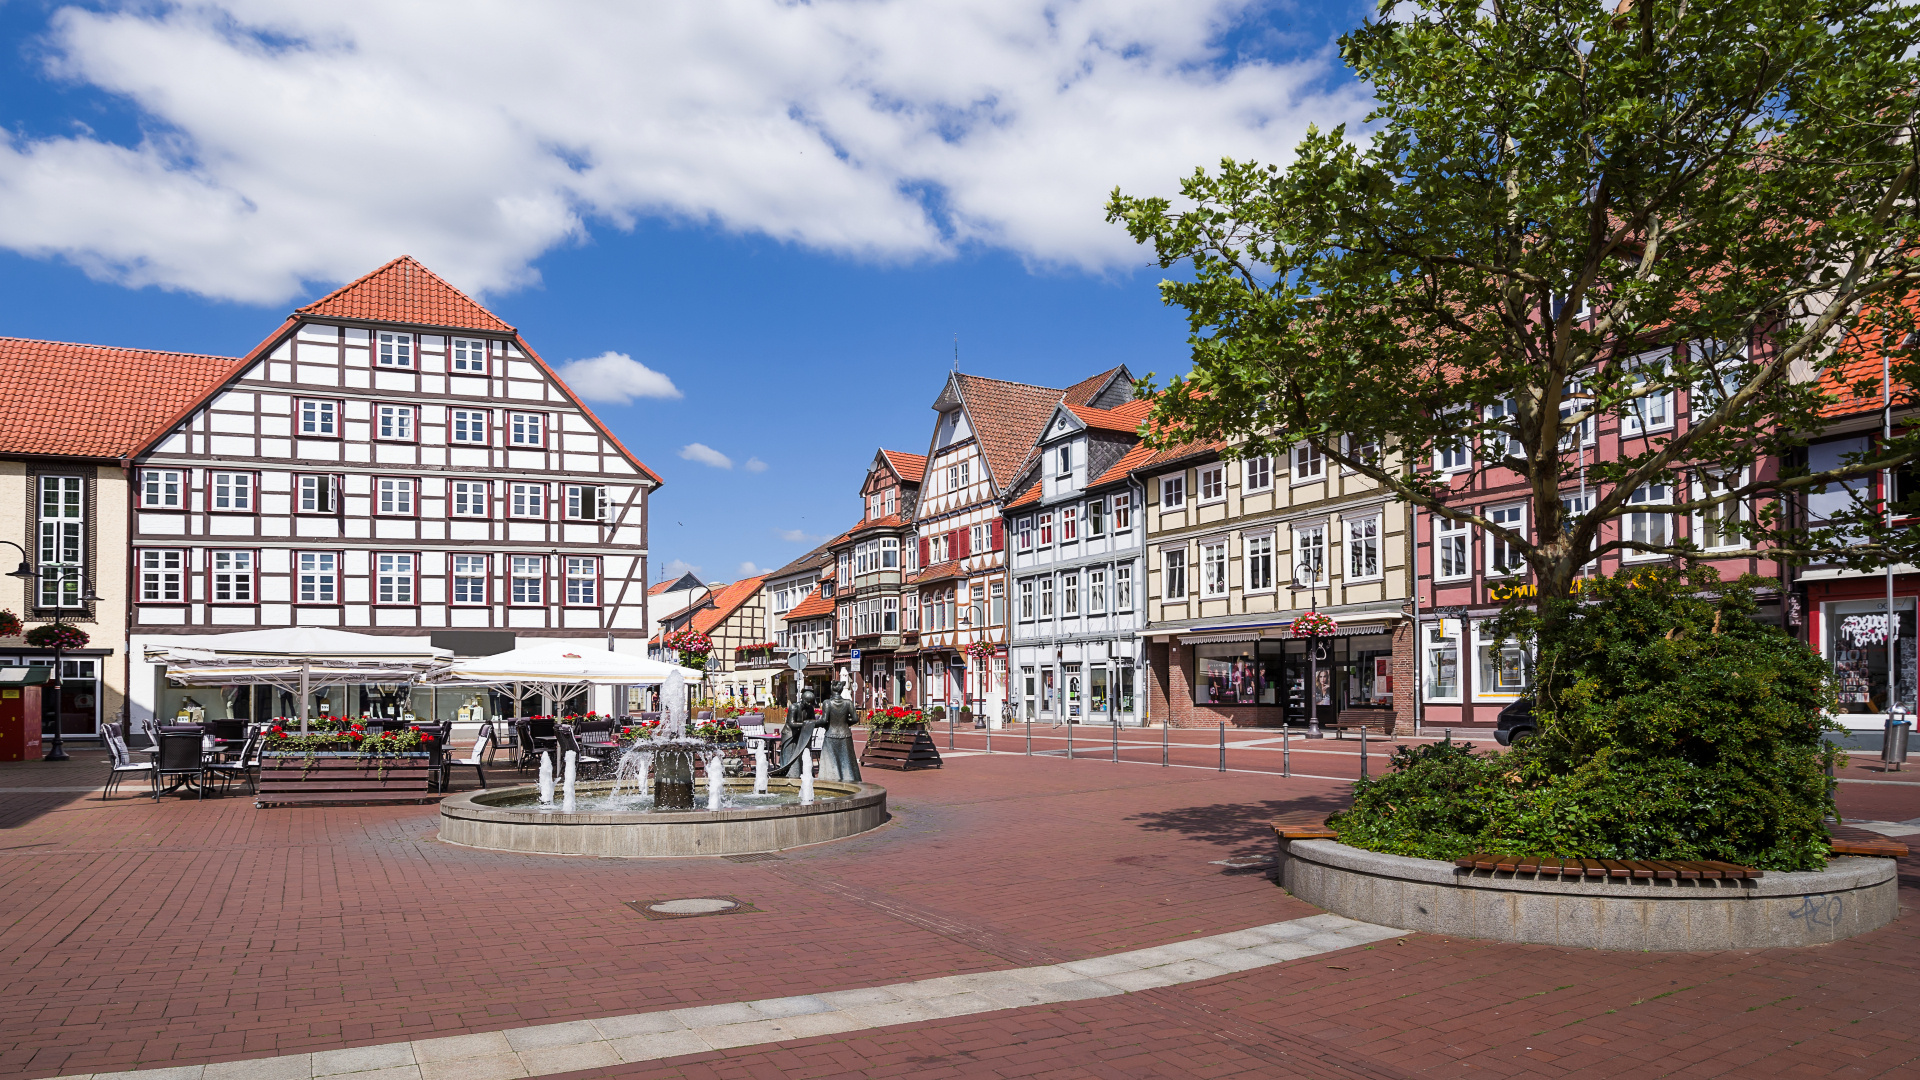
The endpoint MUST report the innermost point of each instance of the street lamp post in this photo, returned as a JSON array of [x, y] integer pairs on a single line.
[[60, 575], [1312, 572]]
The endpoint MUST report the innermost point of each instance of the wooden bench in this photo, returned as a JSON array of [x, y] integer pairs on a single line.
[[1304, 832], [346, 780], [1885, 849], [1380, 720], [1630, 869]]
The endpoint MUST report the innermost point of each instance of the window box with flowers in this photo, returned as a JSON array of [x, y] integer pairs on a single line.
[[760, 655], [897, 738]]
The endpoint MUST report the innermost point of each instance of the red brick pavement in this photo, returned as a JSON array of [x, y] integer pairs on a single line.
[[136, 934]]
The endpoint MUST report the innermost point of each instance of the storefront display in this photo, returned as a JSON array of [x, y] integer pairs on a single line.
[[1856, 645]]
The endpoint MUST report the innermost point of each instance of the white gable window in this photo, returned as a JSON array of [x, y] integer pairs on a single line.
[[469, 356], [161, 573], [528, 579], [395, 422], [1257, 473], [1063, 468], [396, 496], [586, 502], [526, 429], [1173, 492], [467, 426], [1213, 483], [160, 489], [469, 579], [583, 581], [317, 494], [230, 491], [396, 350], [319, 419], [230, 574]]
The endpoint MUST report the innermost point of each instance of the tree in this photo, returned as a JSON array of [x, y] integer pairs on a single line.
[[1558, 211]]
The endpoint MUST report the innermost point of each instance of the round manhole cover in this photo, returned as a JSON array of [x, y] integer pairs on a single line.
[[696, 906]]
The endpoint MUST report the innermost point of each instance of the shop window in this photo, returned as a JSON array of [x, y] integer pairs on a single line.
[[1229, 674], [1856, 645], [1442, 663], [1505, 667]]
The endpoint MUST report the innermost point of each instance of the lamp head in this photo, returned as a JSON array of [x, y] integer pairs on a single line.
[[24, 572]]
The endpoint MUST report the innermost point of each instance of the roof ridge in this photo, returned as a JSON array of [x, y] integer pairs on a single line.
[[411, 307], [120, 348]]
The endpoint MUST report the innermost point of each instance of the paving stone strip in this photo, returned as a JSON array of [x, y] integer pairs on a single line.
[[546, 1049]]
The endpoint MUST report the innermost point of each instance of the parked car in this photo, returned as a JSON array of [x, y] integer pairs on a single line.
[[1515, 723]]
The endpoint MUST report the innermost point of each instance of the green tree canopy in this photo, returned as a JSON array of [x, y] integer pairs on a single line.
[[1563, 211]]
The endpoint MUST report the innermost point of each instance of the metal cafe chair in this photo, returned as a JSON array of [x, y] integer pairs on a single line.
[[180, 757], [477, 758], [121, 760], [567, 742], [245, 767]]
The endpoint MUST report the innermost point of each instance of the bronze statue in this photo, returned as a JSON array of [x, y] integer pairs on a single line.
[[796, 737], [837, 761]]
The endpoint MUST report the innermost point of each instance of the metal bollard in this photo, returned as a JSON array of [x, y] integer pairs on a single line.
[[1363, 753], [1069, 740], [1163, 743], [1116, 740], [1223, 746], [1286, 752], [949, 731], [989, 736], [1029, 736]]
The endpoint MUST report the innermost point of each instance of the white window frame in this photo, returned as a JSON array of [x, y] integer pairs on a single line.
[[1096, 519], [1452, 549], [163, 576], [1706, 484], [1025, 533], [395, 496], [467, 573], [527, 430], [528, 501], [467, 356], [1639, 526], [582, 498], [1502, 560], [1506, 409], [1070, 595], [1482, 643], [395, 579], [1123, 589], [469, 499], [236, 573], [1435, 644], [394, 350], [1307, 463], [582, 582], [1256, 474], [1213, 569], [317, 578], [396, 423], [469, 427], [1212, 483], [63, 542], [1647, 413], [231, 492], [1122, 513], [522, 570], [1173, 573], [322, 415], [316, 488], [1310, 550], [1026, 600], [1457, 458], [1257, 562], [1363, 549], [1173, 492], [1368, 452], [1096, 591], [1046, 597], [163, 489]]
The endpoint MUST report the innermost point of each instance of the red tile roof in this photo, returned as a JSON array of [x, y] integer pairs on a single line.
[[1087, 389], [938, 572], [912, 468], [1134, 458], [725, 602], [403, 291], [815, 605], [891, 521], [96, 401], [1861, 363], [1127, 418], [1031, 496], [1007, 420]]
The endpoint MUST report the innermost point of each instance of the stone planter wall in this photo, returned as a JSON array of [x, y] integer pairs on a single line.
[[1852, 896]]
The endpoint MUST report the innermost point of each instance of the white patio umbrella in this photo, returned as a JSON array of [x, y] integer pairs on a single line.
[[291, 657], [560, 671]]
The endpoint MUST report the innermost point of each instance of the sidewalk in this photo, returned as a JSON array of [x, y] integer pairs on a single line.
[[139, 935]]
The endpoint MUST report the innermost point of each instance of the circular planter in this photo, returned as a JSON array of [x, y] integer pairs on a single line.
[[478, 819], [1852, 896]]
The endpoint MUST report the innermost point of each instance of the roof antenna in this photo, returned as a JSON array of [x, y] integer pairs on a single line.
[[956, 352]]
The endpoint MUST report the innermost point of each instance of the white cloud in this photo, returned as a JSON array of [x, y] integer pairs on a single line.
[[677, 567], [798, 536], [747, 569], [618, 378], [754, 464], [290, 143], [706, 455]]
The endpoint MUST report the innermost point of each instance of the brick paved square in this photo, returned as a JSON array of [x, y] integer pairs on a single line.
[[143, 935]]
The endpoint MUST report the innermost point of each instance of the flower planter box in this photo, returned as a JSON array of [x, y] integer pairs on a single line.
[[903, 748], [344, 778]]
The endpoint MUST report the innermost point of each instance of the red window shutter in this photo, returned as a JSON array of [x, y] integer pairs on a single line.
[[999, 535], [923, 553], [962, 537]]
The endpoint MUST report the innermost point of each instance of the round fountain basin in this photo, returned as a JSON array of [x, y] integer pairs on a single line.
[[511, 819]]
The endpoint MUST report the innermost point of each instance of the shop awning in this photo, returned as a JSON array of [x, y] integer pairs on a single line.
[[561, 671], [286, 657]]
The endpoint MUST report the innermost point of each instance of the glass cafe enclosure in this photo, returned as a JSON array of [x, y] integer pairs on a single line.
[[1356, 673]]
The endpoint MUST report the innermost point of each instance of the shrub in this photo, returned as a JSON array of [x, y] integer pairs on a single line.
[[1672, 726]]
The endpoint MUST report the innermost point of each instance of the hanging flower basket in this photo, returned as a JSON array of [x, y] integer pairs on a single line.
[[1314, 624], [980, 650], [9, 624], [57, 636]]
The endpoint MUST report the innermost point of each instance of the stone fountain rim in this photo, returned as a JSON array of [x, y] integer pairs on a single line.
[[845, 797]]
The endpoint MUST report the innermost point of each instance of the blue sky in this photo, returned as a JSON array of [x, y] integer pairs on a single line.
[[786, 210]]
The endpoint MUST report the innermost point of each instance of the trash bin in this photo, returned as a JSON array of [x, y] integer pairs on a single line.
[[1893, 750]]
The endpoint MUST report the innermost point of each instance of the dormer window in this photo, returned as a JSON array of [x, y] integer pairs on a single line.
[[1064, 457]]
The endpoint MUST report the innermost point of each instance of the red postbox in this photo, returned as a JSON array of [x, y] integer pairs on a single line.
[[20, 711]]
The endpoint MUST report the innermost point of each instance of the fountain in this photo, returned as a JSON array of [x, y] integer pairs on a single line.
[[624, 816]]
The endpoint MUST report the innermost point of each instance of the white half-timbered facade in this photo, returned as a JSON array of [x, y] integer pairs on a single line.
[[393, 460]]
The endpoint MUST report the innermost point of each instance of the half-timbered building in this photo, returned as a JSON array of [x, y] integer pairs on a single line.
[[393, 459]]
